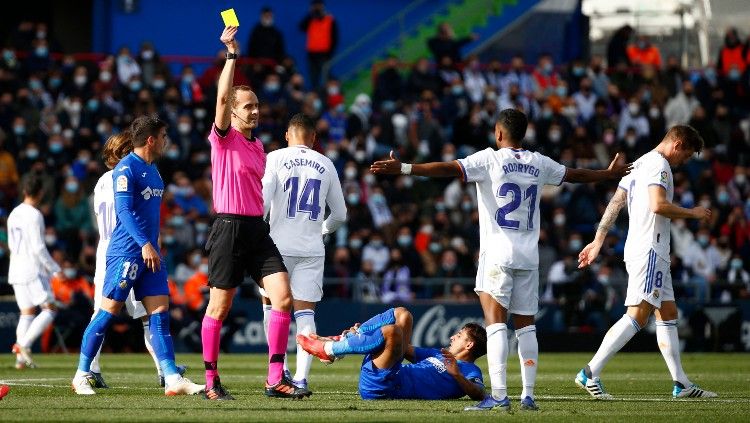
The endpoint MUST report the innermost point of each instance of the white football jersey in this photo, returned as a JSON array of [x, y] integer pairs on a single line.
[[29, 258], [106, 218], [297, 185], [647, 230], [509, 183]]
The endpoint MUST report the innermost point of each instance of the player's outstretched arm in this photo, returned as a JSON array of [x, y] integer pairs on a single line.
[[659, 204], [615, 170], [473, 390], [223, 108], [393, 166], [591, 251]]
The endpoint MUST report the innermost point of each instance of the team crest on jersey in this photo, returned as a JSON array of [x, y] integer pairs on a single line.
[[656, 293], [122, 183], [123, 284], [664, 177]]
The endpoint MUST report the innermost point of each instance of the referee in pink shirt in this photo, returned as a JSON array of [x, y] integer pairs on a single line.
[[239, 241]]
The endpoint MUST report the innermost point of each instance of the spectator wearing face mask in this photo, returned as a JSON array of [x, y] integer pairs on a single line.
[[322, 39], [377, 253], [151, 64], [70, 283], [643, 52], [681, 107], [185, 197], [739, 186], [185, 137], [396, 280], [704, 259], [360, 112], [738, 277], [732, 62], [196, 286], [72, 215], [127, 66], [190, 90], [75, 295], [633, 118], [265, 40], [545, 77]]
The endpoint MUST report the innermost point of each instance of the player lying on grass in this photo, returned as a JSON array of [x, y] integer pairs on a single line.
[[385, 340]]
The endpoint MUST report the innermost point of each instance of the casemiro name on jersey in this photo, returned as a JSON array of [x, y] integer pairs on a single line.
[[305, 162]]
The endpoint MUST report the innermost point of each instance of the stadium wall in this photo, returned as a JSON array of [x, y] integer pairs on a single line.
[[192, 27]]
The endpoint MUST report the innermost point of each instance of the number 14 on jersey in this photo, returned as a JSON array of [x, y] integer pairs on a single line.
[[306, 202]]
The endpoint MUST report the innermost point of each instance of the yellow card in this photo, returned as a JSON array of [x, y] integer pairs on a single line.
[[230, 18]]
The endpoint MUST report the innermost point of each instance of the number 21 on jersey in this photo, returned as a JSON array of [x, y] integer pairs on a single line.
[[517, 198], [306, 202]]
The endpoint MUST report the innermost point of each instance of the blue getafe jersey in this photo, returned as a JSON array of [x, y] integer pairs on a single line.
[[138, 190], [428, 378]]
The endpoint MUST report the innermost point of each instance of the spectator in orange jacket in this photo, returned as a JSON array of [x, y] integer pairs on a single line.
[[644, 53], [196, 288], [70, 283]]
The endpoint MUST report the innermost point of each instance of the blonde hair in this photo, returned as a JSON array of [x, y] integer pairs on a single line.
[[117, 147]]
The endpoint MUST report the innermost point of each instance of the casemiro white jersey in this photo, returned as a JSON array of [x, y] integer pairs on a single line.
[[647, 230], [509, 182], [106, 218], [29, 258], [297, 185]]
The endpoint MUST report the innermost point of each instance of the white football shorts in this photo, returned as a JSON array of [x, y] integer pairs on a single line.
[[305, 276], [517, 290], [649, 279], [34, 293]]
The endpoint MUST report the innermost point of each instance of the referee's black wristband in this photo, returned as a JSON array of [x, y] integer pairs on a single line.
[[231, 56]]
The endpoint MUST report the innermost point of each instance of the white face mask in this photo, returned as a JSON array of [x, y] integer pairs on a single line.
[[183, 128]]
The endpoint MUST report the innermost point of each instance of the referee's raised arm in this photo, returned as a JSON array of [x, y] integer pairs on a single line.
[[223, 108]]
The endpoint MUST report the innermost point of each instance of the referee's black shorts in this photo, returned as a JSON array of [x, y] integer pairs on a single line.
[[237, 245]]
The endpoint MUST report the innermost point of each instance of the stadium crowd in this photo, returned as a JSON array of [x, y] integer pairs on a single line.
[[56, 112]]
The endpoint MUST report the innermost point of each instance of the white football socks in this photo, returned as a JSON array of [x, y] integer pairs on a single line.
[[528, 355], [669, 345], [497, 357], [305, 320], [616, 338], [37, 327], [95, 367], [24, 321]]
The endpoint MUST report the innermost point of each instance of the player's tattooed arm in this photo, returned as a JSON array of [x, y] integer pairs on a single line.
[[613, 210], [591, 251]]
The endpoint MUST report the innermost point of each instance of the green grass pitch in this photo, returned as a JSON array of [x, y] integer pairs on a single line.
[[640, 382]]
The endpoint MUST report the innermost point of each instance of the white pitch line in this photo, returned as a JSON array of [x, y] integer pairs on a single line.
[[42, 379], [26, 382]]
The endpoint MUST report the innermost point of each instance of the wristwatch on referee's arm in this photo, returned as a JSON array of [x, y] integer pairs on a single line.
[[231, 56]]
